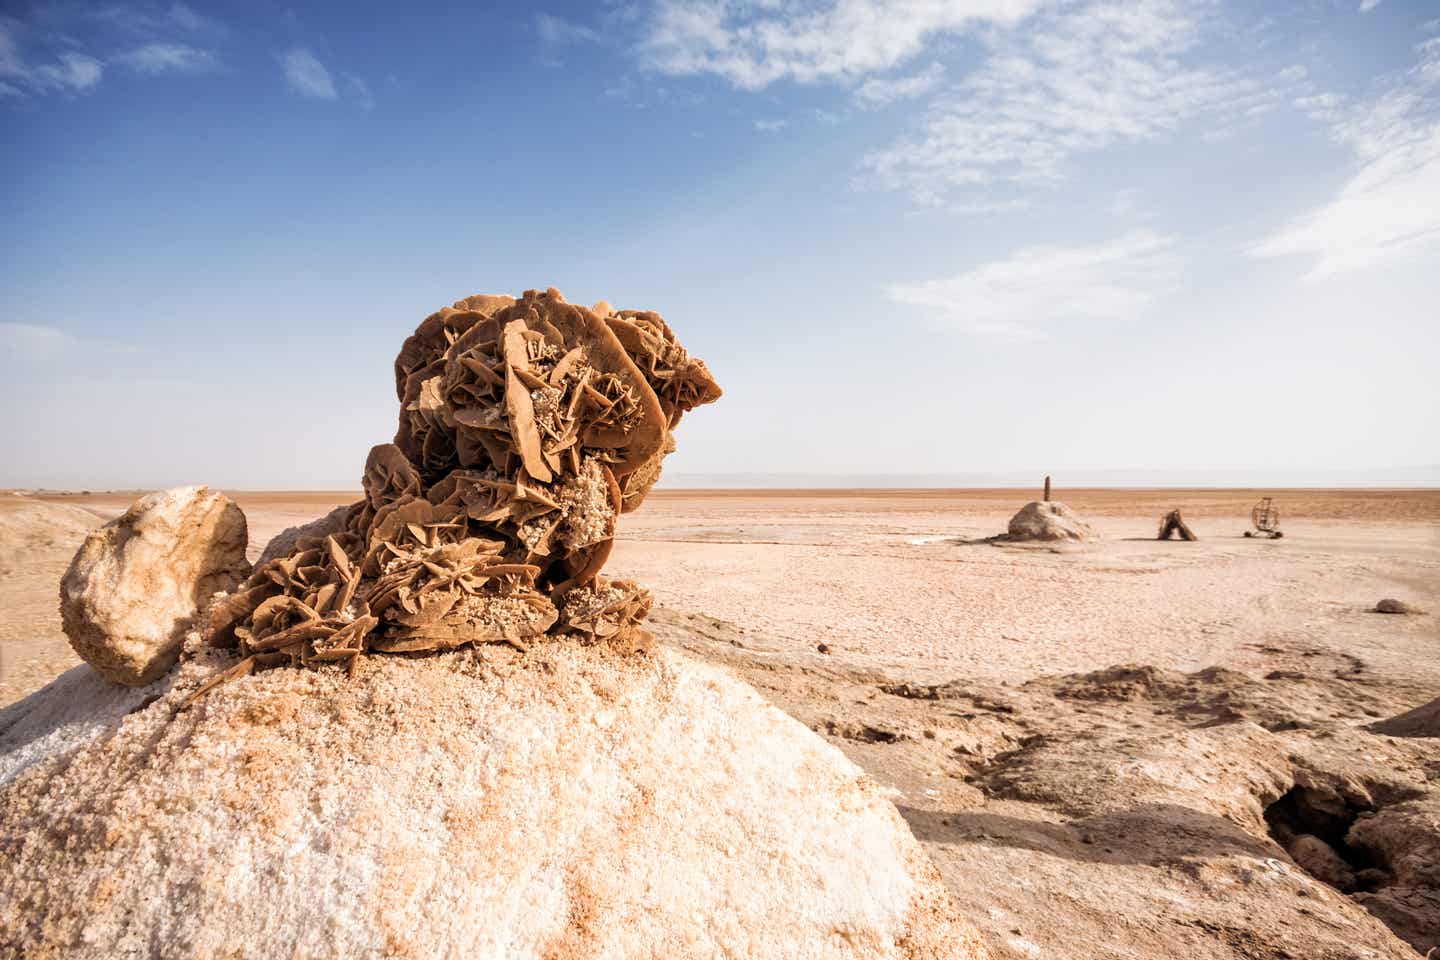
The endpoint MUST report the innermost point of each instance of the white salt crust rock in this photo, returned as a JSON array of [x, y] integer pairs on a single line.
[[569, 804], [1049, 520], [136, 582]]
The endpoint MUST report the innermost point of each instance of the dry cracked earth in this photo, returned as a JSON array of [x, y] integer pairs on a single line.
[[1135, 812]]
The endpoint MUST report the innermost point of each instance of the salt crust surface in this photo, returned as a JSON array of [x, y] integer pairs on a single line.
[[78, 707], [573, 804]]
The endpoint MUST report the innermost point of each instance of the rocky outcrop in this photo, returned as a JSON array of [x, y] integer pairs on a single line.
[[136, 583], [567, 802], [1049, 520], [1126, 812], [1405, 839], [1391, 605]]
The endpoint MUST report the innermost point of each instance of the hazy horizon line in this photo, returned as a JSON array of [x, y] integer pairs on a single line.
[[1417, 477], [1426, 475]]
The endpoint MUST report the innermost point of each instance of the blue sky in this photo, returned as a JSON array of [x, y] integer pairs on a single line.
[[910, 236]]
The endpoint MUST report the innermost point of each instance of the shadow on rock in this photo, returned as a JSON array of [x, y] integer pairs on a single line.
[[1153, 834]]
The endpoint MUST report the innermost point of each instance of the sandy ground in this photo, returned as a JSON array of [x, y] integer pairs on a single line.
[[903, 580], [877, 578], [1075, 810], [882, 580]]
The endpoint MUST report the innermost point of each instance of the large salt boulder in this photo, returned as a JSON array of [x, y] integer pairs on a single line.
[[568, 802], [136, 582], [1049, 520]]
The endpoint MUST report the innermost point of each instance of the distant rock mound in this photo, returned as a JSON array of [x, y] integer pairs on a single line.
[[1390, 605], [569, 802], [136, 583], [1049, 520]]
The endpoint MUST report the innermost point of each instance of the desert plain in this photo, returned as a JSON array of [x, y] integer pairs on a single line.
[[1100, 745]]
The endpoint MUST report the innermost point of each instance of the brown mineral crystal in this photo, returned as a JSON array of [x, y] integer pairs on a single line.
[[526, 427]]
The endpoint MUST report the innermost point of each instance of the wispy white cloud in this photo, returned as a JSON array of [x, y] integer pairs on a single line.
[[1077, 80], [557, 35], [66, 72], [185, 16], [145, 19], [1321, 106], [11, 62], [631, 90], [307, 76], [879, 91], [1022, 295], [27, 343], [158, 58], [987, 207], [1125, 203], [310, 78], [771, 126], [561, 32], [71, 72], [1367, 5], [754, 44], [359, 91], [27, 339], [1389, 208], [66, 47]]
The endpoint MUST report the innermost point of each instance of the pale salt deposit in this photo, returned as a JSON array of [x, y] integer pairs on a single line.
[[567, 804]]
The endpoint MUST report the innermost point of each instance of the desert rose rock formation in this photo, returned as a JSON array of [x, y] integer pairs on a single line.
[[526, 428], [136, 582], [1049, 520], [559, 787]]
